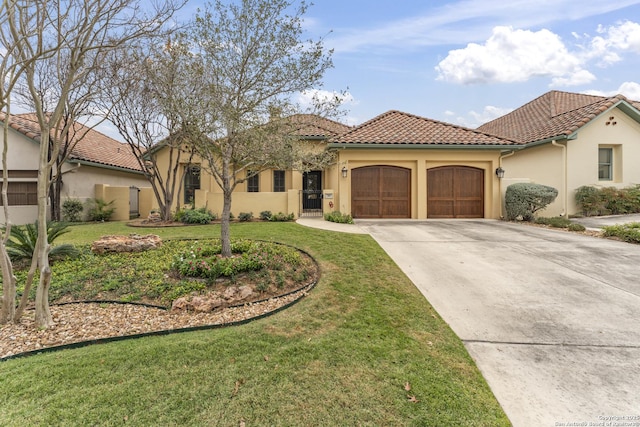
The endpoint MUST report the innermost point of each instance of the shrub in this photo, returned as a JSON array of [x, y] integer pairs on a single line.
[[265, 215], [556, 221], [523, 200], [245, 216], [627, 232], [576, 227], [280, 217], [608, 200], [22, 241], [194, 216], [203, 259], [337, 216], [560, 222], [589, 199], [72, 210], [99, 210]]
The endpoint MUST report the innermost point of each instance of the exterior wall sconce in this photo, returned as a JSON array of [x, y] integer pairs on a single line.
[[500, 172], [344, 171]]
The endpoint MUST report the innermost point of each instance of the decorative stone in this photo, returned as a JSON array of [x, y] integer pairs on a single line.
[[154, 216], [200, 304], [131, 243]]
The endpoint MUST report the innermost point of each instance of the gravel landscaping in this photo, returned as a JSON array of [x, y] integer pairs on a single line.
[[79, 322]]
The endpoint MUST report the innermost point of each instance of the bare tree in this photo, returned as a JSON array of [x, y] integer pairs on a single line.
[[75, 35], [255, 61], [157, 108]]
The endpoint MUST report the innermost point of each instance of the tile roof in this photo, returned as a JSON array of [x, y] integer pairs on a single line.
[[92, 146], [398, 128], [311, 125], [554, 114]]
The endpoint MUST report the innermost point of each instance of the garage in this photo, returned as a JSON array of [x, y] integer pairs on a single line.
[[381, 192], [455, 192]]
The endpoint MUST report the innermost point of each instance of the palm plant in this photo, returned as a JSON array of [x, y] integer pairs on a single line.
[[22, 241]]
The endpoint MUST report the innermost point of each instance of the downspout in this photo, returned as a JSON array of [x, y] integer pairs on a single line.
[[500, 180], [565, 201]]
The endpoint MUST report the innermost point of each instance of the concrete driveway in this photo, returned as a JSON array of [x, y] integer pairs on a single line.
[[551, 318]]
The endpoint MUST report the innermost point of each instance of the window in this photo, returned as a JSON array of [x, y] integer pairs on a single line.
[[21, 193], [191, 183], [278, 181], [253, 183], [605, 164]]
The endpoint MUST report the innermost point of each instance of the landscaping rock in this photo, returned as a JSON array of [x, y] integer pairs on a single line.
[[235, 293], [131, 243], [232, 295]]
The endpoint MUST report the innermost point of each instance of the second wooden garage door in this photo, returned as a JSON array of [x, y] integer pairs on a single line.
[[381, 192], [455, 192]]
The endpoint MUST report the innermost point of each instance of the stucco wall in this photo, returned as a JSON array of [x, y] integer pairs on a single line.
[[545, 164]]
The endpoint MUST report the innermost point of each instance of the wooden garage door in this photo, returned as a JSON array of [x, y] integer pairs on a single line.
[[455, 192], [381, 192]]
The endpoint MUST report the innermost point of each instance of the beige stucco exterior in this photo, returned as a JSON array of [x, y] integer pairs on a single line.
[[337, 190], [549, 164]]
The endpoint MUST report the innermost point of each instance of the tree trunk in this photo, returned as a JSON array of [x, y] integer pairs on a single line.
[[8, 310], [43, 316], [225, 232], [54, 198]]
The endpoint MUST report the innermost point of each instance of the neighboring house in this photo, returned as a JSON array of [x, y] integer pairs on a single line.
[[285, 191], [98, 166], [569, 140]]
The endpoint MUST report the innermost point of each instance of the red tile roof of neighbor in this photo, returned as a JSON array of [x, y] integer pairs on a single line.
[[402, 129], [554, 114], [92, 146], [310, 125]]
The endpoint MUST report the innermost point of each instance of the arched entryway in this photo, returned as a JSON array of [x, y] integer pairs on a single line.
[[381, 192], [455, 192]]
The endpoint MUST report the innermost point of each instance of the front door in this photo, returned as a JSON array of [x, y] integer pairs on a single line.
[[312, 192]]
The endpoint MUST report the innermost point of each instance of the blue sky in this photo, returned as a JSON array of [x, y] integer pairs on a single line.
[[467, 62]]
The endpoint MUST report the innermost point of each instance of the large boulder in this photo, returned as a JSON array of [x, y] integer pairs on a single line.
[[130, 243]]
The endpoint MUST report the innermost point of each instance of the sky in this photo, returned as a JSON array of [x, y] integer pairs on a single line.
[[467, 62]]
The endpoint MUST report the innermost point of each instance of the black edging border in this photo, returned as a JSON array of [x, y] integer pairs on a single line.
[[304, 290]]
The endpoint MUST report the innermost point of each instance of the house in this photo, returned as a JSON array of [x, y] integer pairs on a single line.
[[399, 165], [97, 167], [286, 191], [396, 165], [568, 140]]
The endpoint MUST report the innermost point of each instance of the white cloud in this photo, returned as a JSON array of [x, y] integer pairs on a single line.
[[475, 119], [462, 21], [629, 89], [514, 56], [616, 39]]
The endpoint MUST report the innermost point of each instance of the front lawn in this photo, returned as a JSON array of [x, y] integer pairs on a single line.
[[363, 348]]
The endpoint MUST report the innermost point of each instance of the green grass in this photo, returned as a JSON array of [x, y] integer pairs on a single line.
[[341, 356]]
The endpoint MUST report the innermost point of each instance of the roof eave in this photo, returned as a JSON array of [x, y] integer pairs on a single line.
[[426, 146], [557, 138], [104, 166]]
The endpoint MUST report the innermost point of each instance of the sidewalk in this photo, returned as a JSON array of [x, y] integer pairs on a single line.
[[319, 222]]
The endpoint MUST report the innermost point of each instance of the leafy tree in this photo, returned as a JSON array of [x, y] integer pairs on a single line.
[[250, 60]]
